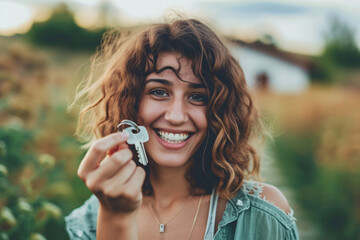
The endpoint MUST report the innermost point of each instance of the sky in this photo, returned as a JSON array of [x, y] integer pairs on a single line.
[[295, 25]]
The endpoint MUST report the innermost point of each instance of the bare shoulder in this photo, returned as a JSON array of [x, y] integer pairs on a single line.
[[273, 195]]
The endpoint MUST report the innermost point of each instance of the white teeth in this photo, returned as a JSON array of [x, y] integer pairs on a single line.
[[173, 137]]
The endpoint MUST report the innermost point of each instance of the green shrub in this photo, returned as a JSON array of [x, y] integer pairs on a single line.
[[38, 153], [61, 30], [329, 194], [25, 213]]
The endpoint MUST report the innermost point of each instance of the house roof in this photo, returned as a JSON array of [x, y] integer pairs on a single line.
[[302, 61]]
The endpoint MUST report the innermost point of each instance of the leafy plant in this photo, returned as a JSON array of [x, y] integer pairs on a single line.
[[38, 153], [24, 212]]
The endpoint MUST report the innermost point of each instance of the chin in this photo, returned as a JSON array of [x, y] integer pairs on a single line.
[[171, 161]]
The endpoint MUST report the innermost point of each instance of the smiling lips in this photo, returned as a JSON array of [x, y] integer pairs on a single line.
[[172, 137]]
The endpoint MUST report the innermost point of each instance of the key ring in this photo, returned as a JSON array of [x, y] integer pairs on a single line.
[[128, 122]]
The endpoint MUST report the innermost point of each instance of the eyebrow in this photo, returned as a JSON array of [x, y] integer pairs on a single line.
[[166, 82]]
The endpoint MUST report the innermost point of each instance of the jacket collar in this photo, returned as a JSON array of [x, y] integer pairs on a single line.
[[234, 207]]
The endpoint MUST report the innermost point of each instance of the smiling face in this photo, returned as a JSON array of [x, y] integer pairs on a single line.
[[173, 111]]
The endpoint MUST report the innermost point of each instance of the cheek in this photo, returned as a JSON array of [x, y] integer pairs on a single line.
[[201, 119], [147, 111]]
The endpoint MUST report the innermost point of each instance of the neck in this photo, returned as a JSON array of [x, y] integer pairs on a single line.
[[169, 185]]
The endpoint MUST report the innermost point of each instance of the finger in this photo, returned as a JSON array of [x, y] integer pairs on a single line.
[[122, 175], [98, 150], [131, 189], [117, 148], [137, 179], [99, 179], [112, 151], [112, 164]]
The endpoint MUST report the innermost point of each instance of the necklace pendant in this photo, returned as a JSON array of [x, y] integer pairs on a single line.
[[162, 228]]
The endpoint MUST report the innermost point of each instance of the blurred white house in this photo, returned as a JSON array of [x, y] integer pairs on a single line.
[[267, 67]]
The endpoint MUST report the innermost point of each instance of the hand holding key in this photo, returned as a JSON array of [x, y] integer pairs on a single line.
[[117, 182]]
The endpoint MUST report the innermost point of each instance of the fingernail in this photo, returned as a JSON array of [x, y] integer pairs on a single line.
[[124, 134]]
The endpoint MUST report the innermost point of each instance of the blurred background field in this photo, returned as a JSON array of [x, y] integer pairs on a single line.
[[314, 157], [316, 148]]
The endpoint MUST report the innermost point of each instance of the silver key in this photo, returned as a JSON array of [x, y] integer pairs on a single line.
[[138, 139]]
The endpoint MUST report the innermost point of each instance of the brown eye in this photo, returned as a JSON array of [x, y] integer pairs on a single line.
[[197, 97], [159, 93]]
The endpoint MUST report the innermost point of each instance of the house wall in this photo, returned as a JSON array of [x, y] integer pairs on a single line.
[[283, 77]]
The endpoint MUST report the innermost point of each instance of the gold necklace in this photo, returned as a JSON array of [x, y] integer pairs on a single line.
[[156, 215], [162, 225]]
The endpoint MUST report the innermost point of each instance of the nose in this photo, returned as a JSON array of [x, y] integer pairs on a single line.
[[176, 112]]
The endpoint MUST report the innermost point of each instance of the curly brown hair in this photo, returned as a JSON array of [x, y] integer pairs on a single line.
[[225, 157]]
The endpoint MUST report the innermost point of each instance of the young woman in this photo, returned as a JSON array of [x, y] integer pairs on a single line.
[[179, 81]]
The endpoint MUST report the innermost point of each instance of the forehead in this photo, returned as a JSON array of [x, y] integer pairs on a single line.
[[178, 62]]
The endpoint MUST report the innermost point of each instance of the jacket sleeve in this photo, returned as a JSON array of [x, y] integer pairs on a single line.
[[81, 222], [292, 232]]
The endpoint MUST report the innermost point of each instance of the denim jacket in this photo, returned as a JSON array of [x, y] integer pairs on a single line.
[[247, 216]]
